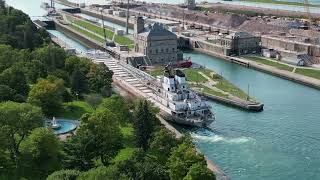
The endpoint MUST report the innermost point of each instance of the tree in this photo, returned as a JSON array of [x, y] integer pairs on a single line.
[[181, 159], [94, 100], [15, 79], [79, 154], [199, 171], [144, 124], [41, 153], [75, 63], [53, 57], [100, 79], [47, 95], [8, 56], [118, 106], [35, 70], [64, 175], [102, 173], [7, 94], [78, 82], [16, 122], [162, 143], [107, 138]]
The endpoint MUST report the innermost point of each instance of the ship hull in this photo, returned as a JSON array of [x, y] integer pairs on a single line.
[[181, 121]]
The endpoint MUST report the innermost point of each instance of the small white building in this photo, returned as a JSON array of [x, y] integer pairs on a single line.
[[269, 53], [119, 13]]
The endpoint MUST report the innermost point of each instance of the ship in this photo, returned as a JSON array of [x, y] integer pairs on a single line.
[[180, 104]]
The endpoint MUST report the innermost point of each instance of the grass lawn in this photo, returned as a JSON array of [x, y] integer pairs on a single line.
[[90, 35], [270, 63], [91, 27], [225, 85], [193, 75], [309, 72], [74, 110], [129, 146], [212, 91], [158, 71]]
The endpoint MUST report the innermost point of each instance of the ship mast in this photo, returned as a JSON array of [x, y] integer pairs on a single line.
[[127, 22]]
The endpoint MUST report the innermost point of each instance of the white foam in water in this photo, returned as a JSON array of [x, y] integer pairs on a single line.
[[211, 137]]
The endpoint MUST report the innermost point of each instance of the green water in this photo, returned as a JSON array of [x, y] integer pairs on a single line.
[[280, 143]]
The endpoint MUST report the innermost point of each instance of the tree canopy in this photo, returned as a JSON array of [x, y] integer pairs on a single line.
[[144, 123], [107, 138], [41, 154], [47, 95], [17, 120]]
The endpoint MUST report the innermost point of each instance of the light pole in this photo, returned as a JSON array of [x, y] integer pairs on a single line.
[[127, 23]]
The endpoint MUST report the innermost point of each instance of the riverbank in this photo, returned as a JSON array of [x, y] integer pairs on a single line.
[[126, 88], [308, 81]]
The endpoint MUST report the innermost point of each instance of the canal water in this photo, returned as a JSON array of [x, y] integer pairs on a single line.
[[282, 142]]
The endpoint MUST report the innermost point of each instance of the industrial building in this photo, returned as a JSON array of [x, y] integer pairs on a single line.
[[157, 44]]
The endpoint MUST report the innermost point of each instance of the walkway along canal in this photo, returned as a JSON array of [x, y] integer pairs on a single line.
[[282, 142]]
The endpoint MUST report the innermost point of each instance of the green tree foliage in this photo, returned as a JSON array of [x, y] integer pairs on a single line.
[[18, 31], [144, 123], [199, 171], [47, 95], [79, 154], [53, 57], [8, 56], [102, 173], [78, 82], [41, 153], [94, 100], [64, 175], [73, 63], [8, 94], [35, 70], [100, 79], [16, 122], [107, 138], [118, 106], [15, 79], [162, 143], [182, 158]]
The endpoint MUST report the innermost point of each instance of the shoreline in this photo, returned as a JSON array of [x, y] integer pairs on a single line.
[[220, 175], [301, 79]]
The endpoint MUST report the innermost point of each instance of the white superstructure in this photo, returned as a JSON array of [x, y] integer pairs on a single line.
[[186, 107]]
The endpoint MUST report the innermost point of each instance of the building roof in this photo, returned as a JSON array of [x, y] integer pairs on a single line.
[[157, 30], [239, 35]]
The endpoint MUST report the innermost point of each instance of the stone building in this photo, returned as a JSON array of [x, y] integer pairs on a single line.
[[237, 43], [157, 44]]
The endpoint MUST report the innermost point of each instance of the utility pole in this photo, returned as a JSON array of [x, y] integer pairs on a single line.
[[104, 30], [52, 3], [127, 23]]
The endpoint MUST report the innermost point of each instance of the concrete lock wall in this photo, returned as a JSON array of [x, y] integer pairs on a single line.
[[275, 43]]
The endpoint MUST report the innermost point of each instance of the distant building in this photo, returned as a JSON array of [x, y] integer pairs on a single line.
[[190, 4], [235, 43], [157, 44]]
